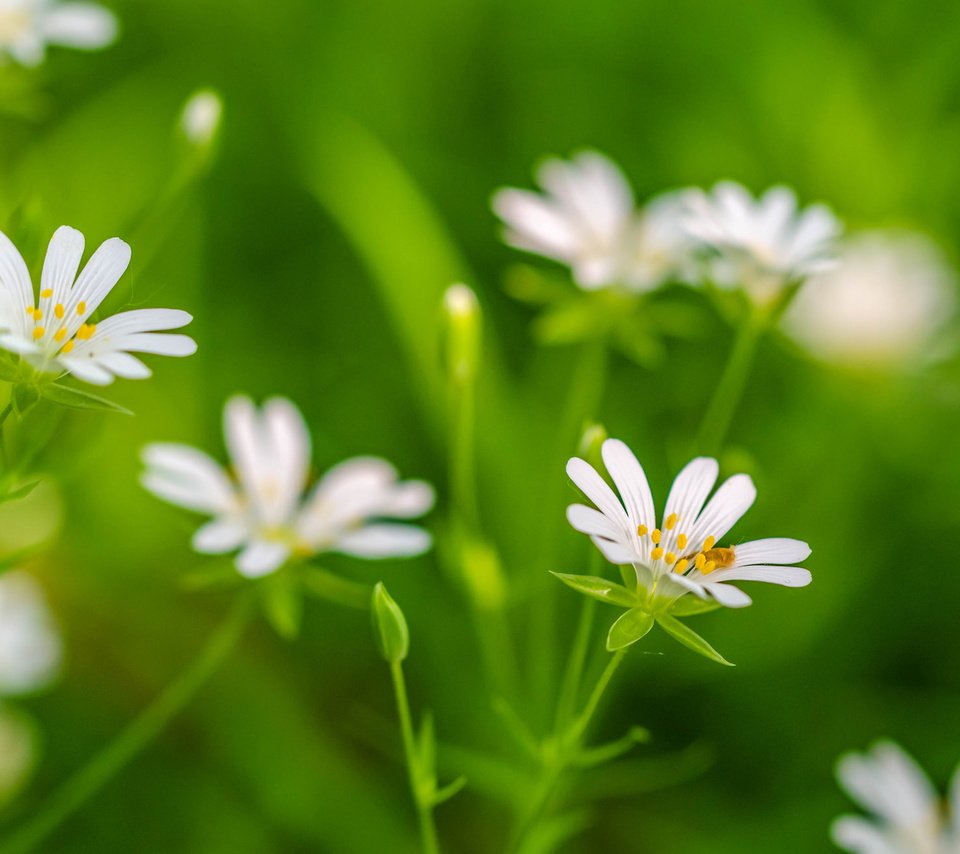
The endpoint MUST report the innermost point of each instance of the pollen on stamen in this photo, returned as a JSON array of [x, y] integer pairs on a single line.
[[708, 543], [681, 566], [709, 567], [85, 332], [681, 541], [656, 536], [699, 560], [37, 314], [671, 557], [66, 348], [657, 553], [46, 293], [671, 522], [81, 308], [29, 309], [38, 333], [58, 310], [60, 334], [641, 530]]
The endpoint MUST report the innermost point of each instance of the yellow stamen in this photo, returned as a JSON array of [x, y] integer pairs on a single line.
[[682, 541], [29, 309], [37, 314], [671, 522], [657, 553], [85, 332], [699, 561], [58, 310], [708, 543], [81, 308], [38, 333], [709, 567], [66, 348], [641, 530], [656, 535], [46, 293], [681, 567], [61, 333], [671, 557]]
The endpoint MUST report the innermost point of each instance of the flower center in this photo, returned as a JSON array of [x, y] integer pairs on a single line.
[[14, 23], [51, 325], [672, 549]]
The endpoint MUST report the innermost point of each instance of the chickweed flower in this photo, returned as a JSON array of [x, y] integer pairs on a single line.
[[762, 244], [55, 331], [200, 118], [908, 815], [260, 505], [30, 649], [682, 553], [28, 26], [885, 302]]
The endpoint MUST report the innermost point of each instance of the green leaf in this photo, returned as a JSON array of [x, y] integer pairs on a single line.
[[427, 746], [325, 585], [283, 604], [599, 588], [24, 396], [448, 791], [20, 492], [9, 370], [603, 753], [74, 397], [631, 626], [689, 605], [389, 626], [220, 576], [689, 638]]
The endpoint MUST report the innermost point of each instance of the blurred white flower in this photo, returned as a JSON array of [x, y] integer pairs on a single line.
[[30, 649], [200, 118], [17, 751], [885, 301], [263, 510], [681, 555], [763, 243], [27, 27], [908, 817], [54, 332]]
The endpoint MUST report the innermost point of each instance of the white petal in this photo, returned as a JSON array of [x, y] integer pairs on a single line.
[[859, 836], [727, 594], [615, 552], [631, 481], [221, 535], [16, 289], [289, 441], [384, 540], [30, 646], [407, 500], [687, 496], [86, 369], [595, 488], [535, 224], [188, 477], [124, 365], [158, 343], [586, 520], [80, 25], [780, 550], [61, 264], [261, 557], [98, 278], [728, 504], [15, 344], [144, 320], [786, 576]]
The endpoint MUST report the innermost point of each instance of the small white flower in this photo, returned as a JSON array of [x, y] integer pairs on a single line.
[[28, 26], [54, 332], [890, 295], [908, 819], [659, 248], [681, 554], [30, 649], [263, 510], [762, 243], [201, 117]]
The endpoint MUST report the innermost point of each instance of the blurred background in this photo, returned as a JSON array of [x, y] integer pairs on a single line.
[[359, 147]]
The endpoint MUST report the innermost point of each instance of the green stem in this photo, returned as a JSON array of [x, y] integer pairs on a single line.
[[575, 664], [428, 831], [579, 728], [729, 390], [4, 415], [463, 478], [133, 739]]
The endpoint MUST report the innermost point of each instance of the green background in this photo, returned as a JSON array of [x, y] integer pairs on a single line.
[[360, 144]]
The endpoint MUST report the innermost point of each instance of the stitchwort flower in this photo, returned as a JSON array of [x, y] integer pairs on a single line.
[[261, 508], [761, 244], [56, 332], [680, 555], [28, 26], [908, 815]]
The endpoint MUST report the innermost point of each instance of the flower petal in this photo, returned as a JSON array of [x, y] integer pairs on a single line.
[[728, 595], [786, 576], [60, 266], [98, 278], [595, 488], [687, 496], [631, 481], [586, 520], [779, 550], [384, 540], [81, 25], [187, 477], [221, 535], [728, 504], [261, 557]]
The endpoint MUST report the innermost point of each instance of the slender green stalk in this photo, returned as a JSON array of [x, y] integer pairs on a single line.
[[729, 390], [463, 477], [4, 415], [575, 663], [76, 791], [428, 830], [579, 728]]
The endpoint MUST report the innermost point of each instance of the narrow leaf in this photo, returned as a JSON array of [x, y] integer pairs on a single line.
[[689, 605], [449, 791], [631, 626], [599, 588], [283, 605], [74, 397], [20, 492], [689, 638]]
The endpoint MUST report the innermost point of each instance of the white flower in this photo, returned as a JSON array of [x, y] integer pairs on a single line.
[[30, 648], [28, 26], [887, 299], [659, 248], [263, 510], [54, 332], [17, 751], [762, 243], [682, 554], [201, 117], [908, 815]]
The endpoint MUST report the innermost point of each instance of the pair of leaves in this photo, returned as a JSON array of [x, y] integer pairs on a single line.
[[428, 792]]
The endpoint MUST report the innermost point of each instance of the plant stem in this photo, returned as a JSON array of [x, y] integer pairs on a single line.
[[428, 831], [84, 784], [733, 381], [4, 415]]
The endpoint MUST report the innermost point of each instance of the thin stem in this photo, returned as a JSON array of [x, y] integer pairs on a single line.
[[4, 415], [575, 664], [730, 388], [463, 477], [579, 728], [428, 831], [139, 733]]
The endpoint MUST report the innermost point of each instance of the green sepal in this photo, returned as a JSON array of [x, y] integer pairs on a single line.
[[389, 626], [24, 396], [690, 605], [629, 628], [74, 397], [689, 638], [10, 371], [599, 588], [222, 575], [20, 492], [283, 604]]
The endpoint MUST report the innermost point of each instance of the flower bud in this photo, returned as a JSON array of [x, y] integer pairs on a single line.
[[463, 324], [389, 626], [200, 117]]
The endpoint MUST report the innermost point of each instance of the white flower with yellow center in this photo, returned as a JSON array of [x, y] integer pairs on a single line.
[[886, 301], [682, 553], [263, 510], [28, 26], [908, 815], [55, 331], [30, 648], [762, 244]]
